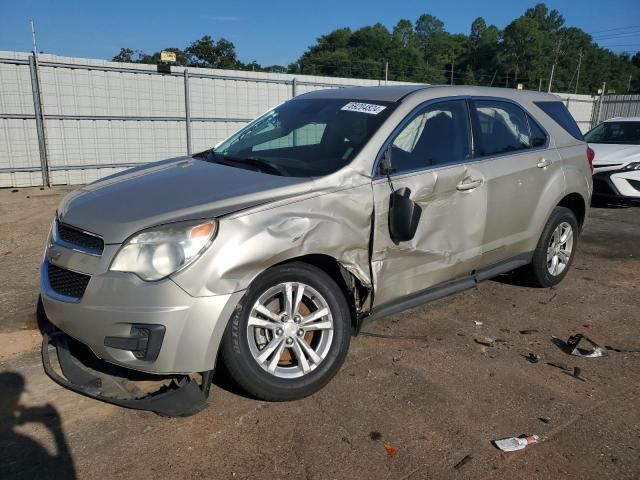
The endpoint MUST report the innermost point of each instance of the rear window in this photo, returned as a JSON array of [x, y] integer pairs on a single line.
[[559, 113]]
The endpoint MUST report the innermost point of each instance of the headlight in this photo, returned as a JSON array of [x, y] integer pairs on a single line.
[[160, 251], [631, 167]]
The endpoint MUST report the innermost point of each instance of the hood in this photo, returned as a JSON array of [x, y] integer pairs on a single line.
[[120, 205], [614, 156]]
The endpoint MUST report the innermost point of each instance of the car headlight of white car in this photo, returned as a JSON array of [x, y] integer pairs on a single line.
[[631, 167], [158, 252]]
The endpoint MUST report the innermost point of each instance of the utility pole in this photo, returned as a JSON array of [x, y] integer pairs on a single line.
[[578, 74], [451, 73], [506, 81], [553, 67], [493, 78], [629, 83], [386, 72], [540, 86], [33, 38]]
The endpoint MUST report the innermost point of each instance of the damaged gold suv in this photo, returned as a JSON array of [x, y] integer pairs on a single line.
[[268, 252]]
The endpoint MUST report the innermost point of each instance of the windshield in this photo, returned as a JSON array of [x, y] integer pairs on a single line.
[[304, 137], [625, 133]]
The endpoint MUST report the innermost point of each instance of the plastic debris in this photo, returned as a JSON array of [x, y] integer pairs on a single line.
[[515, 443], [391, 450], [574, 342], [463, 462], [533, 358], [545, 419], [477, 323], [529, 331]]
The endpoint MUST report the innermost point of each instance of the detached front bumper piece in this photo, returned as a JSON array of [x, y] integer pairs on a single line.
[[182, 397]]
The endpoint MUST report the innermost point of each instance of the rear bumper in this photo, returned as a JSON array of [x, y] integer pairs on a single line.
[[118, 310]]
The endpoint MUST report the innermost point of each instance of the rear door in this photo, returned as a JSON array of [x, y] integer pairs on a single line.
[[517, 166], [432, 157]]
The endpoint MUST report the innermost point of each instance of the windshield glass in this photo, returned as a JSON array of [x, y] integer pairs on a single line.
[[625, 133], [304, 137]]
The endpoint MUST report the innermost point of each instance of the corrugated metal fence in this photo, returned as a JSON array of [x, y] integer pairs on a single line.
[[611, 106], [72, 120]]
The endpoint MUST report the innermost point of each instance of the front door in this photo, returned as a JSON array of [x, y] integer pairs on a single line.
[[431, 157]]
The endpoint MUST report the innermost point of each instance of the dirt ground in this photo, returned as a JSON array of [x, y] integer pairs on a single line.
[[426, 387]]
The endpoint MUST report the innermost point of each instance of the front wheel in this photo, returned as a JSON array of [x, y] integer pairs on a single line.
[[289, 335], [555, 250]]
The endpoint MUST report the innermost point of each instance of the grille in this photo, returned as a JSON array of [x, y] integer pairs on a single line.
[[67, 283], [602, 187], [634, 183], [79, 238]]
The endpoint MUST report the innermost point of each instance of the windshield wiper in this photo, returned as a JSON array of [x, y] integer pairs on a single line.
[[259, 163]]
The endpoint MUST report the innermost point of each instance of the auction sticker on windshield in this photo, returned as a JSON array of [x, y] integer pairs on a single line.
[[370, 108]]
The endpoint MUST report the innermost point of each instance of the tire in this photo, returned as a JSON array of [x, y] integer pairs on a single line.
[[281, 375], [540, 272]]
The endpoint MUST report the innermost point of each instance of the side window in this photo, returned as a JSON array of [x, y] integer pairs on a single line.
[[538, 137], [559, 113], [438, 135], [503, 128]]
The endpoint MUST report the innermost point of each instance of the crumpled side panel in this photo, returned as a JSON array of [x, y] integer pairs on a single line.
[[449, 236], [335, 224]]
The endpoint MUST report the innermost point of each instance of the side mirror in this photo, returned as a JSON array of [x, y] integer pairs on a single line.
[[404, 215]]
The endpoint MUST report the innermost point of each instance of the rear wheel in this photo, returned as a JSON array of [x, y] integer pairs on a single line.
[[555, 250], [290, 334]]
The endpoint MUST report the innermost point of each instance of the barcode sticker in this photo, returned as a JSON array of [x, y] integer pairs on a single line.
[[369, 108]]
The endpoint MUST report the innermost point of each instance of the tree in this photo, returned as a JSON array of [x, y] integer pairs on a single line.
[[207, 53]]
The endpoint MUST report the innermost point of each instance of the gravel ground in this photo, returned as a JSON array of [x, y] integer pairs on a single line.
[[426, 387]]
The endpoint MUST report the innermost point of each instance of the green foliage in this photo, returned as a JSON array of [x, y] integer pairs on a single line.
[[423, 51], [523, 52]]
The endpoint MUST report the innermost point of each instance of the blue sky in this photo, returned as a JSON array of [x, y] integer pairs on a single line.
[[270, 32]]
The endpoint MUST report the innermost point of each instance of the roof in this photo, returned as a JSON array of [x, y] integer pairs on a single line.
[[396, 93], [382, 94], [623, 119]]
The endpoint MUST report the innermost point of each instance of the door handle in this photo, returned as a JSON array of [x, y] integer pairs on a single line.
[[544, 163], [468, 184]]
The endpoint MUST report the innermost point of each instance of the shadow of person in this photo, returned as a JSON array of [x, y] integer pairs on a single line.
[[21, 456]]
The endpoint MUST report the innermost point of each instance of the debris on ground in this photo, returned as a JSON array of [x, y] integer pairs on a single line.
[[533, 357], [529, 331], [477, 323], [545, 419], [375, 435], [560, 365], [463, 462], [574, 342], [577, 372], [486, 342], [547, 302], [515, 443], [391, 450], [623, 349]]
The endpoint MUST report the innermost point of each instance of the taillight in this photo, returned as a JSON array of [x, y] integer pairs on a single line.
[[590, 156]]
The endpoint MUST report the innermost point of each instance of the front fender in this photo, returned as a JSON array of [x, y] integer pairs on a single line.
[[335, 223]]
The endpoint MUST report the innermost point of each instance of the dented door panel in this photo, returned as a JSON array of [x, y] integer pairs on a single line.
[[448, 241]]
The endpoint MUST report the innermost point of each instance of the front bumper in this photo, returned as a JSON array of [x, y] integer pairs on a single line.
[[617, 185], [115, 304]]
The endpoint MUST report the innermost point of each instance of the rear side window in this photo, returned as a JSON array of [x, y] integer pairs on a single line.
[[538, 137], [503, 128], [438, 135], [559, 113]]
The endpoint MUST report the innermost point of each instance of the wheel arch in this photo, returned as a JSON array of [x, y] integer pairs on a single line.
[[576, 203], [355, 291]]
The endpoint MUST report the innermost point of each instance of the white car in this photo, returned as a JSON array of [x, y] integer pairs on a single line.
[[616, 162]]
